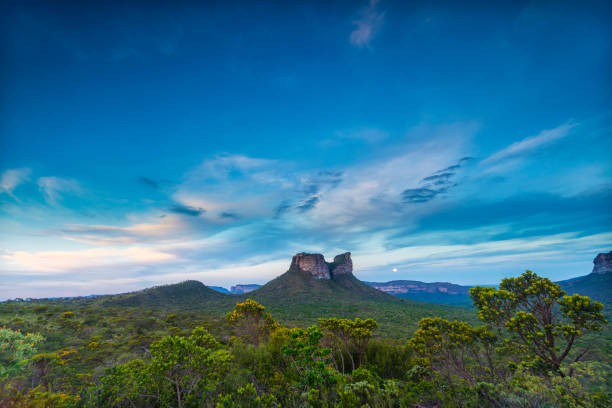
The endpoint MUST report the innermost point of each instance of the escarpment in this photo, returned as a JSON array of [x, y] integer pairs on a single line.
[[316, 266]]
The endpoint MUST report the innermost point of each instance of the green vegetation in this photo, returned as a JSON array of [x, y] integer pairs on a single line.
[[334, 344]]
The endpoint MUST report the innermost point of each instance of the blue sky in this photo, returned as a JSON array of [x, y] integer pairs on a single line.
[[454, 141]]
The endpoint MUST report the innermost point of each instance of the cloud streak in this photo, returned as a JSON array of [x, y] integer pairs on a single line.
[[530, 144], [367, 25], [12, 178], [187, 210], [54, 188], [423, 204], [61, 262]]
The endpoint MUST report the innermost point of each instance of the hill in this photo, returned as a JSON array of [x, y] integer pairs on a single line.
[[314, 288], [186, 294], [311, 279], [311, 288], [443, 293], [597, 285]]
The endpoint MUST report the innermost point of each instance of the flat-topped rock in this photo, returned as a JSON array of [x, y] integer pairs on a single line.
[[342, 265], [315, 265], [602, 263]]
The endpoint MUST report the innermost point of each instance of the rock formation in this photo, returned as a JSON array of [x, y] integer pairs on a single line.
[[342, 264], [399, 287], [244, 288], [315, 265], [602, 263]]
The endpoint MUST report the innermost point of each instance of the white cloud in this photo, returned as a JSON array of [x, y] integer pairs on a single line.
[[370, 192], [530, 144], [225, 166], [53, 188], [365, 134], [367, 25], [12, 178], [359, 196], [238, 184], [167, 229], [358, 207], [60, 262]]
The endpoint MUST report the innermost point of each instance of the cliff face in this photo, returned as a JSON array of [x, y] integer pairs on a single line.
[[315, 265], [238, 289], [402, 286], [342, 265], [602, 263]]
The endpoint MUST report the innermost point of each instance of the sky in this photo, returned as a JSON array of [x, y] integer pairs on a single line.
[[450, 141]]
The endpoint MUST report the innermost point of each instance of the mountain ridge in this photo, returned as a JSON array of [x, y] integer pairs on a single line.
[[312, 279]]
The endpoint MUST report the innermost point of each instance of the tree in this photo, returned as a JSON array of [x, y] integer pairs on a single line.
[[456, 348], [348, 336], [52, 368], [16, 349], [309, 358], [251, 320], [182, 372], [539, 318]]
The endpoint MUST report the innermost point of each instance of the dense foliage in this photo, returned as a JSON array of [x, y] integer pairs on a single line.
[[533, 348]]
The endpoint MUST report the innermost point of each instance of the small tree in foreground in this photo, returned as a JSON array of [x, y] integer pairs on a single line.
[[251, 320], [348, 336], [541, 321], [16, 349], [457, 349]]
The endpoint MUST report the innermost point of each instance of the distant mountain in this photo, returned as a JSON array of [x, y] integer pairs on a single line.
[[437, 292], [310, 289], [311, 279], [219, 289], [237, 289], [313, 288], [244, 288], [597, 285]]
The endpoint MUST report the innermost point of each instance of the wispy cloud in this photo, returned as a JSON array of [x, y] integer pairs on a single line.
[[161, 230], [419, 195], [438, 183], [54, 188], [44, 262], [308, 204], [187, 210], [12, 178], [530, 144], [148, 182], [420, 203], [367, 25]]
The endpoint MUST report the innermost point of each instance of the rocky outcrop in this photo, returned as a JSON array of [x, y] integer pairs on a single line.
[[403, 286], [602, 263], [342, 265], [244, 288], [315, 265]]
